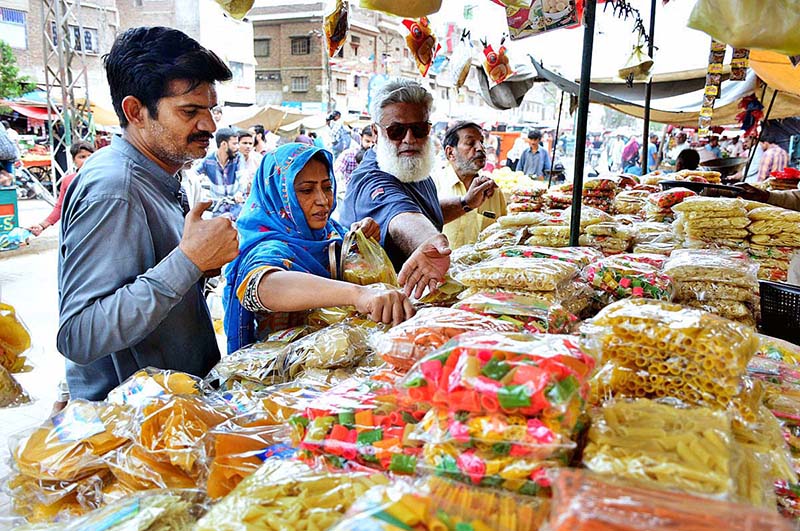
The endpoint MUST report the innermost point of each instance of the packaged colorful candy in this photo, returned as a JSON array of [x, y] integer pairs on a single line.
[[669, 198], [431, 328], [238, 447], [71, 444], [630, 275], [583, 501], [513, 373], [14, 340], [337, 25], [778, 349], [360, 423], [365, 262], [518, 273], [580, 256], [288, 495], [422, 43], [152, 511], [525, 312], [150, 383]]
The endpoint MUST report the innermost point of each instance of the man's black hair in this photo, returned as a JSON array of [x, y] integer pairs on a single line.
[[77, 147], [451, 136], [534, 135], [143, 61], [260, 131], [367, 131], [241, 133], [689, 158], [224, 134]]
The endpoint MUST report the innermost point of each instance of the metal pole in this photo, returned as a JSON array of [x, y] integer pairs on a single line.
[[583, 118], [760, 134], [555, 141], [648, 92]]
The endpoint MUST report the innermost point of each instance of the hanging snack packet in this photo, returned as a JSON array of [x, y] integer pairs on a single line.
[[461, 60], [365, 262], [337, 26], [422, 43], [238, 9], [406, 8], [496, 64]]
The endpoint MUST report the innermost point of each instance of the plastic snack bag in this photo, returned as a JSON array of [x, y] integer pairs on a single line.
[[518, 273], [422, 43], [630, 275], [496, 64], [365, 262], [583, 501], [238, 9], [431, 328], [337, 25], [14, 339], [461, 60], [524, 312], [409, 8], [580, 256], [11, 392], [150, 383]]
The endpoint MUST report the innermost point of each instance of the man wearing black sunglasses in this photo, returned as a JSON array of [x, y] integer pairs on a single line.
[[393, 186]]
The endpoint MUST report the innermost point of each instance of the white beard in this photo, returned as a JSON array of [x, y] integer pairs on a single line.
[[405, 169]]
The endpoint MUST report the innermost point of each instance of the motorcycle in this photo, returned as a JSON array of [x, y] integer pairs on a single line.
[[29, 187]]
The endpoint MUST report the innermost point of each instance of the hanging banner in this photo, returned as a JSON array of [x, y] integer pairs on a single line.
[[526, 18], [740, 64], [716, 60]]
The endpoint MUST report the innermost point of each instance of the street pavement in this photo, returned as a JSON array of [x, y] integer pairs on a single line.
[[28, 282]]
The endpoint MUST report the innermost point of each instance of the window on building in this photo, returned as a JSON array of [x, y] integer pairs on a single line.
[[13, 27], [87, 42], [301, 45], [340, 53], [356, 81], [300, 84], [261, 47], [355, 39], [444, 94], [341, 86], [237, 69], [268, 75]]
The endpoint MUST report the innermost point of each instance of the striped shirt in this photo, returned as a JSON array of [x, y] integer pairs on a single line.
[[774, 159]]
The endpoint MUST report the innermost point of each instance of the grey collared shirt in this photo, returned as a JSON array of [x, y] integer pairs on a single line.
[[129, 298]]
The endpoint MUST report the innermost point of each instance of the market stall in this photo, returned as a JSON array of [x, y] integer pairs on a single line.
[[593, 362]]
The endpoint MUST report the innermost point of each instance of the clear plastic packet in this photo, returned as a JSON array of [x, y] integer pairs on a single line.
[[337, 25], [630, 201], [514, 373], [171, 430], [365, 262], [710, 291], [715, 266], [360, 423], [439, 504], [655, 247], [647, 231], [322, 317], [11, 392], [238, 447], [465, 256], [784, 239], [525, 312], [70, 445], [657, 349], [669, 198], [583, 501], [445, 295], [712, 207], [422, 43], [521, 207], [778, 349], [611, 229], [548, 236], [14, 340], [499, 237], [609, 245], [525, 219], [428, 330], [767, 213], [579, 256], [151, 383], [630, 275], [531, 274], [238, 9], [461, 60], [288, 494], [156, 510], [247, 366], [688, 449]]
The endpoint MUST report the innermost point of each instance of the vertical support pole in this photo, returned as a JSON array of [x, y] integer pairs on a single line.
[[648, 93]]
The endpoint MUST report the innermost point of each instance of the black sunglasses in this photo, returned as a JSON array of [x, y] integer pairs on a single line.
[[397, 132]]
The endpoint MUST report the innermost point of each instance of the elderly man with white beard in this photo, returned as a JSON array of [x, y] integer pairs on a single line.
[[393, 186]]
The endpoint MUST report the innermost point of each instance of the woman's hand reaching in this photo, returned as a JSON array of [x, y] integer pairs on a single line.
[[384, 305]]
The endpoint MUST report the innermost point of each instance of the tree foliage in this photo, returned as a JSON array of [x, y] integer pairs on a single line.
[[12, 84]]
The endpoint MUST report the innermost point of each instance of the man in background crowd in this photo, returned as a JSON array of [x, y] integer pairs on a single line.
[[225, 169], [775, 158], [535, 160], [714, 147], [346, 163], [252, 159], [681, 143]]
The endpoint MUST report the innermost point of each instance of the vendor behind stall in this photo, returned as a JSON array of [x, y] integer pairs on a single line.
[[285, 232]]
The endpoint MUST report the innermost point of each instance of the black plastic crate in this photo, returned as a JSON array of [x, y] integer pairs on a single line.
[[780, 310]]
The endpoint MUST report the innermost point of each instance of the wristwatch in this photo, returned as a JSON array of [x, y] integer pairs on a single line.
[[464, 205]]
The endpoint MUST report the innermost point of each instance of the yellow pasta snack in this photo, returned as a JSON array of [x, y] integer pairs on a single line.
[[532, 274]]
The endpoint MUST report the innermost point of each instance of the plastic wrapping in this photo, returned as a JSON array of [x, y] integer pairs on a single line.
[[11, 392], [481, 372], [633, 275], [409, 8], [150, 383], [438, 504], [659, 205], [431, 328], [778, 349], [549, 236], [286, 494], [14, 340], [532, 274], [579, 256], [365, 262], [659, 445], [658, 349], [245, 366], [586, 502], [590, 216], [71, 444], [445, 295], [716, 266], [607, 244], [773, 213], [160, 510], [337, 25], [136, 469], [422, 43], [495, 236], [532, 17], [630, 201], [461, 60], [574, 296], [525, 312], [238, 447], [360, 423], [525, 219]]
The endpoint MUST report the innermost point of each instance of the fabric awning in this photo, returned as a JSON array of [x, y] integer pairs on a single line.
[[37, 113], [272, 117], [777, 71]]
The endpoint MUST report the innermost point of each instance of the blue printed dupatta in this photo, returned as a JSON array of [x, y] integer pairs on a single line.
[[273, 232]]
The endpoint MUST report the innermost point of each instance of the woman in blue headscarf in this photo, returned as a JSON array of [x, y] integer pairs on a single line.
[[285, 232]]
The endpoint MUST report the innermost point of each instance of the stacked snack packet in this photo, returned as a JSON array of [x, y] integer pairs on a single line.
[[774, 240]]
